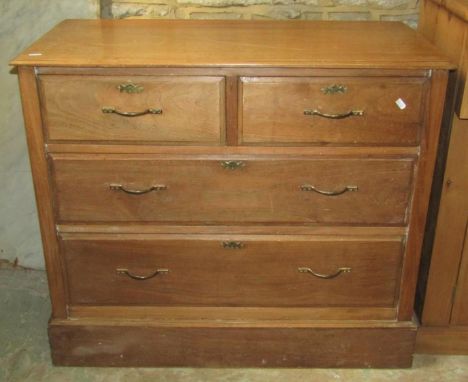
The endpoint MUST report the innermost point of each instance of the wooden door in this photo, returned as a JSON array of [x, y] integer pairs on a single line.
[[460, 306]]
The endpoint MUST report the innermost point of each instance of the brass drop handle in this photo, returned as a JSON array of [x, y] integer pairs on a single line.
[[352, 113], [126, 272], [308, 187], [232, 164], [119, 187], [322, 276], [113, 110]]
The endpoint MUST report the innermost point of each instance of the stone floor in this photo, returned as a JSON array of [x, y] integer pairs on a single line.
[[24, 352]]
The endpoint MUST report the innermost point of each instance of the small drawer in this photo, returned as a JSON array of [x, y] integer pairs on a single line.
[[369, 111], [110, 188], [239, 271], [183, 109]]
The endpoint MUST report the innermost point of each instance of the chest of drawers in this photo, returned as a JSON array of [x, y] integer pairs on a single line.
[[229, 193]]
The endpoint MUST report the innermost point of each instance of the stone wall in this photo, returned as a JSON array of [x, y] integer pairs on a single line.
[[384, 10]]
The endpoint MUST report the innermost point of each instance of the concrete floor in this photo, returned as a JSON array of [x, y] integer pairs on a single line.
[[24, 351]]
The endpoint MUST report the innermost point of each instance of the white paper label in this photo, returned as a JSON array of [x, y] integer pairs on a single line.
[[400, 103]]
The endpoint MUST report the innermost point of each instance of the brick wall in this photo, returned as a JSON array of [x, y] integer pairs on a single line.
[[385, 10]]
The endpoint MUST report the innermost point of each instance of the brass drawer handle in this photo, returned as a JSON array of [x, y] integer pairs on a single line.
[[232, 164], [110, 110], [352, 113], [233, 245], [308, 187], [322, 276], [119, 187], [126, 272]]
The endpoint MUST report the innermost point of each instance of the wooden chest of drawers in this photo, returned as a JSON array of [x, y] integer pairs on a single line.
[[228, 194]]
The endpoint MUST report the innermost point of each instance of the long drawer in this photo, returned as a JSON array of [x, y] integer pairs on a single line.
[[267, 271], [335, 110], [183, 109], [307, 190]]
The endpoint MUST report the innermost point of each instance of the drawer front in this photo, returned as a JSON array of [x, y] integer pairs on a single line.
[[237, 272], [174, 109], [384, 111], [348, 191]]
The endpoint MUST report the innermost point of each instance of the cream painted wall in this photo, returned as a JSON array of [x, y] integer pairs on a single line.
[[21, 22]]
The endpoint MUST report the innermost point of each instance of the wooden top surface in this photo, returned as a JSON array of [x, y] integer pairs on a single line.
[[457, 7], [213, 43]]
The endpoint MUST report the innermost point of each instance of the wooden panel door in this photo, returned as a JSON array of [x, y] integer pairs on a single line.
[[450, 231], [460, 306]]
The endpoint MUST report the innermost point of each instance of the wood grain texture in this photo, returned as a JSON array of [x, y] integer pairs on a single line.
[[273, 110], [456, 7], [428, 18], [192, 108], [243, 233], [43, 191], [232, 87], [260, 191], [87, 43], [201, 272], [420, 202], [214, 323], [274, 346], [450, 231], [444, 313], [460, 303], [235, 71], [442, 340], [229, 314], [451, 35], [444, 23], [462, 96], [265, 229], [235, 151]]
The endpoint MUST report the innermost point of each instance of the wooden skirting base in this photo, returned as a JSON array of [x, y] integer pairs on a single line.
[[238, 344], [442, 340]]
